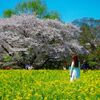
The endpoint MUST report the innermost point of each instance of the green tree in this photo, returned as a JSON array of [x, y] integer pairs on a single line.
[[94, 58], [52, 15], [34, 6], [8, 13], [87, 37], [88, 40]]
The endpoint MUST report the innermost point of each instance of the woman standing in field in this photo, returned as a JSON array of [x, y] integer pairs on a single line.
[[75, 68]]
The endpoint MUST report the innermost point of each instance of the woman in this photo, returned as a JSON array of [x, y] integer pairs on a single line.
[[75, 68]]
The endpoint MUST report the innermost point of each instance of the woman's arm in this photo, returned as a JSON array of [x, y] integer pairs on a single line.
[[72, 66]]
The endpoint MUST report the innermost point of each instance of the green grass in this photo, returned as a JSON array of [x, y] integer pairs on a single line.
[[48, 85]]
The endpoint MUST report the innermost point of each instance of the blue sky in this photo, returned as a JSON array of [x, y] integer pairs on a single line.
[[68, 9]]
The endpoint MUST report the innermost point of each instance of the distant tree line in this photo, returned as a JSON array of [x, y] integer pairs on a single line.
[[36, 7]]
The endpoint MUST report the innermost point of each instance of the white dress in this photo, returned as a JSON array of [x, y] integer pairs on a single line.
[[74, 72]]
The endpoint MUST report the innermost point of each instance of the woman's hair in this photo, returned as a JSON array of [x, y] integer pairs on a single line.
[[75, 59]]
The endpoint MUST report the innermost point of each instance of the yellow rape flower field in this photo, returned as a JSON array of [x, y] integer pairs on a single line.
[[48, 85]]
